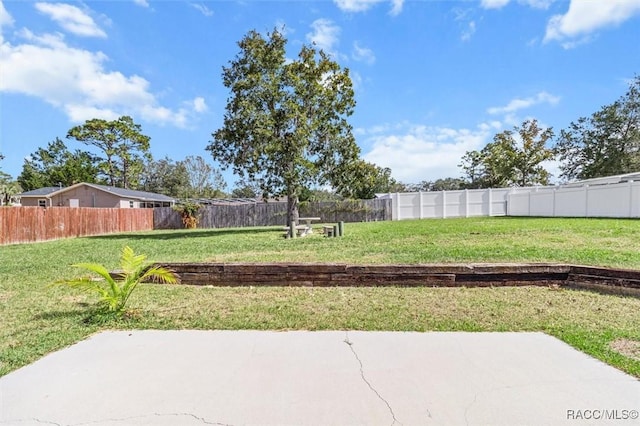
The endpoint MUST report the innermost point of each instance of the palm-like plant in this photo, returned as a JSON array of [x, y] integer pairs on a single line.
[[114, 293]]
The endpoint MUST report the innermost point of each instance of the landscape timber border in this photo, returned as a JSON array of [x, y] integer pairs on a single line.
[[608, 280]]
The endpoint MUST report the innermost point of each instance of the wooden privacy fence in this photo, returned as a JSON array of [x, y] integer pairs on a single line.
[[272, 214], [30, 224]]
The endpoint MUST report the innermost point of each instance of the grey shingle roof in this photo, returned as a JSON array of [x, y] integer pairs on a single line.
[[130, 193], [40, 191], [125, 193]]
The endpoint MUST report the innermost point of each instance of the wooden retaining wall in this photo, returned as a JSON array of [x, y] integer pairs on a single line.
[[31, 224], [475, 275], [275, 213]]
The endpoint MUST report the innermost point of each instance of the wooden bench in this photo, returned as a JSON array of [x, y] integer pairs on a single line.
[[301, 230], [329, 230]]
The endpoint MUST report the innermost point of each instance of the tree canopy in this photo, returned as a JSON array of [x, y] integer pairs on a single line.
[[513, 158], [285, 125], [165, 176], [204, 181], [606, 143], [364, 180], [56, 165], [124, 148], [8, 187]]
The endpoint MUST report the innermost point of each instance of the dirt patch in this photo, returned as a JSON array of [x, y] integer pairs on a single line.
[[628, 348]]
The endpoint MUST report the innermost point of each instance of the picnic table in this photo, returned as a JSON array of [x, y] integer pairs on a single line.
[[303, 230], [308, 221]]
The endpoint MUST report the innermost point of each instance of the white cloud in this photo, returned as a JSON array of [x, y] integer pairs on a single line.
[[199, 105], [466, 22], [415, 153], [538, 4], [494, 4], [468, 32], [5, 17], [396, 7], [6, 20], [203, 9], [143, 3], [77, 82], [364, 5], [363, 54], [72, 19], [324, 35], [79, 113], [585, 17], [518, 104], [499, 4]]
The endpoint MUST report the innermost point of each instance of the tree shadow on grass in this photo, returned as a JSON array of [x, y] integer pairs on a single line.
[[84, 314], [162, 234], [73, 313]]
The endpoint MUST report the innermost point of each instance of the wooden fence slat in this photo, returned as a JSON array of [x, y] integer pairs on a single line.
[[30, 224], [274, 214]]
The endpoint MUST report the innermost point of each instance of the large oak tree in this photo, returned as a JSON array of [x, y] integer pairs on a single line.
[[124, 148], [56, 165], [514, 158], [285, 126], [606, 143]]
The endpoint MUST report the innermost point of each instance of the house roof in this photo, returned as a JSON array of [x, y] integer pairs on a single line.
[[606, 180], [40, 191], [49, 192]]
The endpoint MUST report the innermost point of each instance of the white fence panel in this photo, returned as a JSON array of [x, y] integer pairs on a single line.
[[477, 203], [608, 201], [634, 210], [499, 201], [542, 203], [611, 200], [408, 205], [431, 204], [571, 202], [456, 204], [518, 204], [443, 204]]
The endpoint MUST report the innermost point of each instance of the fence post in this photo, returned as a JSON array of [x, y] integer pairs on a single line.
[[466, 203], [490, 203], [421, 205], [444, 204], [586, 201], [396, 205], [630, 183]]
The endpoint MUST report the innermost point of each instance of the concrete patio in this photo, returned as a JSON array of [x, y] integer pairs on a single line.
[[318, 378]]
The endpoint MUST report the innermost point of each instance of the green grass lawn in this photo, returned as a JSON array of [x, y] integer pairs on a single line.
[[36, 319]]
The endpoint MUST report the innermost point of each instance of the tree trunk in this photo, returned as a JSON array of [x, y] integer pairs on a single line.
[[292, 209]]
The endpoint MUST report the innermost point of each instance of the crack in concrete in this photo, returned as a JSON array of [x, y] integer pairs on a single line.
[[466, 410], [124, 419], [46, 422], [355, 354], [202, 419]]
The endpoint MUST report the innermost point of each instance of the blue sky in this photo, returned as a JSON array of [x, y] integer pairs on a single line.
[[433, 79]]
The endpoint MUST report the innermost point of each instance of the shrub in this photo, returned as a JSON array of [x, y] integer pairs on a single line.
[[189, 212], [114, 293]]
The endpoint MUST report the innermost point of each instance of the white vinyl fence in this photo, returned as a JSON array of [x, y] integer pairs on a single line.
[[611, 200], [444, 204], [608, 200]]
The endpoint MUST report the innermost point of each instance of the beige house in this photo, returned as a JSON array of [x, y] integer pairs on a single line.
[[93, 195]]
